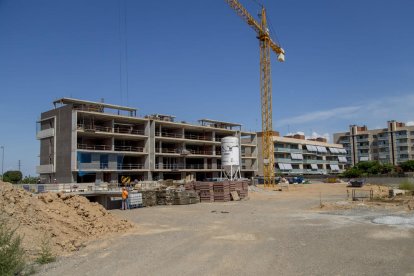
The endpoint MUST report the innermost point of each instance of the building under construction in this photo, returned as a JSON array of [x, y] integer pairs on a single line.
[[84, 141]]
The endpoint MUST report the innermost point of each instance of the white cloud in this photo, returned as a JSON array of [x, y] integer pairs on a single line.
[[377, 111]]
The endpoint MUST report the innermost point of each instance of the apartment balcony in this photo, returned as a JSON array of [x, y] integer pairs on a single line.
[[363, 147], [42, 169], [288, 160], [123, 130], [382, 138], [130, 167], [94, 128], [94, 147], [129, 149], [169, 135], [313, 161], [403, 144], [404, 136], [296, 171], [169, 151], [278, 149], [42, 134], [364, 140], [309, 171], [198, 137], [333, 162], [96, 166], [169, 166]]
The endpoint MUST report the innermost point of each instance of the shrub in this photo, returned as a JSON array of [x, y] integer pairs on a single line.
[[11, 252], [352, 173], [45, 255]]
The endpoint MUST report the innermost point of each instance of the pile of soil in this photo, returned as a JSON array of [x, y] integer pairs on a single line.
[[66, 221]]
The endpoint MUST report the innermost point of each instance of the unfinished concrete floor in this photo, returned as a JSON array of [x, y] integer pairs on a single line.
[[273, 233]]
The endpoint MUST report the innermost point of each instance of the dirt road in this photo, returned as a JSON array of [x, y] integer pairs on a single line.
[[273, 233]]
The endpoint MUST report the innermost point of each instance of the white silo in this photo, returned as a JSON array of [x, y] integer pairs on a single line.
[[230, 157]]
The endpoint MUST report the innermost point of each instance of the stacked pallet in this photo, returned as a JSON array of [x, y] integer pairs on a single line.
[[193, 197], [165, 197], [221, 191], [205, 191], [149, 198], [243, 189], [189, 186]]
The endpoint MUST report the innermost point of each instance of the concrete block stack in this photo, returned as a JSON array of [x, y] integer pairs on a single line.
[[149, 198]]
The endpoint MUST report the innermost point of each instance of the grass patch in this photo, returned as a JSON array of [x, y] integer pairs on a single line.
[[406, 185]]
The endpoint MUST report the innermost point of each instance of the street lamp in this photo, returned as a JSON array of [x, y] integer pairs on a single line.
[[2, 162]]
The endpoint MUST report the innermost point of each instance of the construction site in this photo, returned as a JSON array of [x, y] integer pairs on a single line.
[[122, 193]]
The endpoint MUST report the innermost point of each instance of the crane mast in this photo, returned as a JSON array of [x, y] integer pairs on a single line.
[[266, 44]]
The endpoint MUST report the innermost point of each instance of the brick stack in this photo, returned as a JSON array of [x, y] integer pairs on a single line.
[[221, 191], [165, 197], [149, 198], [205, 191], [189, 186], [243, 189]]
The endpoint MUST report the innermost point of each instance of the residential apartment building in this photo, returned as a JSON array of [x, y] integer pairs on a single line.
[[84, 141], [296, 155], [393, 145]]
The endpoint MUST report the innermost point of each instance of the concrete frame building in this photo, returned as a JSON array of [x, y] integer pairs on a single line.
[[296, 155], [84, 141], [392, 145]]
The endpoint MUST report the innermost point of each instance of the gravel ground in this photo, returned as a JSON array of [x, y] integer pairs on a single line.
[[273, 233]]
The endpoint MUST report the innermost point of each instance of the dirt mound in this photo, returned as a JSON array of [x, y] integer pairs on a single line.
[[67, 221]]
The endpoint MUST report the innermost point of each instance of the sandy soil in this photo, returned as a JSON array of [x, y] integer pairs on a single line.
[[272, 233]]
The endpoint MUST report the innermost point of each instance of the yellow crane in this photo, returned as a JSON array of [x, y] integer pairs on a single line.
[[266, 44]]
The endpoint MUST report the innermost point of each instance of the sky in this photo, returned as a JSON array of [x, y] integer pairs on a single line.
[[347, 62]]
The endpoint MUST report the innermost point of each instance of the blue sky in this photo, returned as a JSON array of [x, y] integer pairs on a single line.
[[346, 62]]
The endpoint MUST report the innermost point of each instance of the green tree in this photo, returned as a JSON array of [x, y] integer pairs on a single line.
[[407, 166], [352, 172], [30, 180], [12, 176], [387, 168]]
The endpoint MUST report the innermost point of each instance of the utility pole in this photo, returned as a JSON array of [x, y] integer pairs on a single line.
[[20, 165], [2, 162]]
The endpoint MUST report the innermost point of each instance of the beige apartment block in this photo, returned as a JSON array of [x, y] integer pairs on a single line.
[[296, 155], [392, 145], [84, 141]]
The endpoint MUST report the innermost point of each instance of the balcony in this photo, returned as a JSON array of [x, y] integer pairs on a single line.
[[198, 137], [50, 132], [41, 169], [130, 167], [168, 135], [95, 128], [278, 149], [129, 148], [124, 130], [313, 161], [288, 160], [96, 166], [94, 147]]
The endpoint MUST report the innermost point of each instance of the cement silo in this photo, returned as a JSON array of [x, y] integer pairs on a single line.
[[230, 157]]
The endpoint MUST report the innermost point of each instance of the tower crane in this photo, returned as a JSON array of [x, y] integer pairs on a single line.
[[266, 44]]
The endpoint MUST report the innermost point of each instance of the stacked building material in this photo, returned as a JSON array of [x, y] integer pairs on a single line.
[[149, 198], [189, 186], [165, 197], [205, 191], [193, 197], [243, 189], [221, 191], [181, 198]]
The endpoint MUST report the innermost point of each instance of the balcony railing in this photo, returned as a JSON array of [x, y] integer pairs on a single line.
[[130, 166], [279, 149], [129, 148], [167, 150], [313, 161], [124, 130], [200, 152], [198, 137], [168, 134], [94, 147], [94, 128]]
